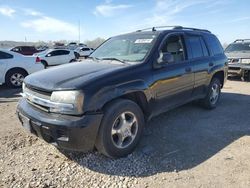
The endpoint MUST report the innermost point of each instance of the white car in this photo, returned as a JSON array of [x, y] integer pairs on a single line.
[[14, 67], [84, 51], [53, 57]]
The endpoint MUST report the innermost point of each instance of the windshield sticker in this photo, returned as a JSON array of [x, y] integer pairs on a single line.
[[143, 41]]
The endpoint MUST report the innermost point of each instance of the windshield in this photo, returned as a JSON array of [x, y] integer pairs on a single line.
[[128, 48], [237, 47]]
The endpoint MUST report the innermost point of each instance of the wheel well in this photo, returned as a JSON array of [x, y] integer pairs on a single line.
[[16, 69], [139, 98], [44, 62], [220, 76]]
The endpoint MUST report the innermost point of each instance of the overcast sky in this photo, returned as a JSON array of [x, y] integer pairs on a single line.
[[59, 19]]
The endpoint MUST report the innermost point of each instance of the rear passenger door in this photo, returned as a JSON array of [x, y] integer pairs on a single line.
[[201, 61], [64, 56]]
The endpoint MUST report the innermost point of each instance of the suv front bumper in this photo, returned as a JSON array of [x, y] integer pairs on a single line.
[[238, 68], [66, 132]]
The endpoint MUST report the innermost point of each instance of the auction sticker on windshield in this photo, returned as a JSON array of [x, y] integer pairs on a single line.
[[143, 41]]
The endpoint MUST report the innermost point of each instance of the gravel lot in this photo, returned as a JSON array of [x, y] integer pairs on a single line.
[[186, 147]]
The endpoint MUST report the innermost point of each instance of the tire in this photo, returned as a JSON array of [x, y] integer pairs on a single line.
[[45, 64], [123, 119], [213, 95], [15, 77]]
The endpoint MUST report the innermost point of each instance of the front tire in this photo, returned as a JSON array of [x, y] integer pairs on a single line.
[[14, 78], [121, 128], [213, 95]]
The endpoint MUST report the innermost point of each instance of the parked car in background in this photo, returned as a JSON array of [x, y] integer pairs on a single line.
[[14, 67], [53, 57], [238, 54], [84, 51], [104, 102], [26, 50]]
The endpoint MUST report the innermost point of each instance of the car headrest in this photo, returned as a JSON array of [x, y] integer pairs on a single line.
[[173, 47]]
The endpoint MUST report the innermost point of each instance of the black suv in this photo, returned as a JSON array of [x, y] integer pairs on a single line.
[[238, 54], [104, 101]]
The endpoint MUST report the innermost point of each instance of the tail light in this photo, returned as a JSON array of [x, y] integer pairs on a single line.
[[38, 60]]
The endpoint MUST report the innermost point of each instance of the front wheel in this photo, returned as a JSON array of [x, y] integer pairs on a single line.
[[213, 95], [121, 128], [14, 78]]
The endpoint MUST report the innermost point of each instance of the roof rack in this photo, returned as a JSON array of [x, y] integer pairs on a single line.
[[174, 27], [241, 40]]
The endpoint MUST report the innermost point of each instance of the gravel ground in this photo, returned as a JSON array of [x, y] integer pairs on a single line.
[[186, 147]]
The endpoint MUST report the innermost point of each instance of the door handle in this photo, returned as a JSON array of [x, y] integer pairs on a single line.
[[211, 64], [188, 69]]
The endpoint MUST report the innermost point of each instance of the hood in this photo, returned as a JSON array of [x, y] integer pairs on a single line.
[[238, 55], [70, 76]]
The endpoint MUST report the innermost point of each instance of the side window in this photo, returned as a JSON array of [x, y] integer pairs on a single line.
[[4, 55], [64, 52], [85, 49], [54, 53], [174, 45], [204, 47], [214, 45], [195, 44]]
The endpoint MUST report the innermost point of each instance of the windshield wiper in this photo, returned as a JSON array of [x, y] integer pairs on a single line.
[[114, 59]]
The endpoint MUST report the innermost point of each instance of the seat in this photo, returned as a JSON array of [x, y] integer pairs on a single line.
[[175, 49]]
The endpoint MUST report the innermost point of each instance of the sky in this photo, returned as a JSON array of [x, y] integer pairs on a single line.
[[47, 20]]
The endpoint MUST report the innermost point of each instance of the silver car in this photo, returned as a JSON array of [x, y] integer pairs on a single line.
[[238, 54]]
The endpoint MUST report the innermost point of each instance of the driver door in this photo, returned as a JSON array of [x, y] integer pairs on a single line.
[[173, 81]]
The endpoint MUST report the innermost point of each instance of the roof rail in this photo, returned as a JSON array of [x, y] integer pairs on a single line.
[[159, 27], [173, 27], [191, 28], [241, 40]]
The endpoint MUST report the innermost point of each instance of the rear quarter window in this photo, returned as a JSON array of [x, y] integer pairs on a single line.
[[214, 45], [4, 55]]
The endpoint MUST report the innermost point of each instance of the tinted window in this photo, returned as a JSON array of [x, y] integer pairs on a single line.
[[214, 45], [195, 44], [64, 52], [85, 49], [204, 47], [4, 55], [54, 53]]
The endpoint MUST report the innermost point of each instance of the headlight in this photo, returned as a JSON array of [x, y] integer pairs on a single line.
[[245, 61], [67, 102]]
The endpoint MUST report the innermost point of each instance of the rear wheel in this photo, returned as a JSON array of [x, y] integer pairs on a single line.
[[45, 64], [121, 128], [14, 78], [213, 95]]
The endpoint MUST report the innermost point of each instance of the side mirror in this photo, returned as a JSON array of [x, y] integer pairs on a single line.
[[48, 55], [165, 57]]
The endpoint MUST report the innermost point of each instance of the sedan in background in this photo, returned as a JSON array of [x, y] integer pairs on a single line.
[[14, 67], [54, 57], [25, 50]]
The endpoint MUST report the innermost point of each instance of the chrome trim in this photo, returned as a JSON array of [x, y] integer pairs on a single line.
[[45, 103]]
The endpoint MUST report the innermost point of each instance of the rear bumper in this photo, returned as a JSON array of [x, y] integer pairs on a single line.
[[66, 132]]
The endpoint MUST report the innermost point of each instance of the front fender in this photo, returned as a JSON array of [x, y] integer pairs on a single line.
[[106, 94]]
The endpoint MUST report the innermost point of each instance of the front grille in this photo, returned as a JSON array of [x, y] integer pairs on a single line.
[[32, 93]]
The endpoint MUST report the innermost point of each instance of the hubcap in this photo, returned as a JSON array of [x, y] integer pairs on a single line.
[[17, 79], [124, 130], [215, 93]]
